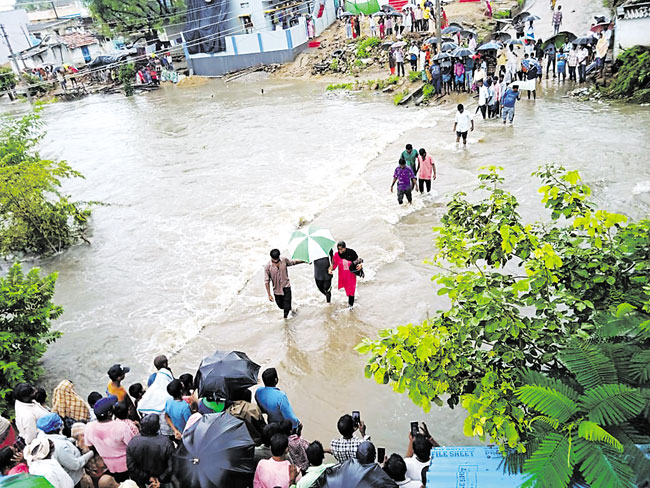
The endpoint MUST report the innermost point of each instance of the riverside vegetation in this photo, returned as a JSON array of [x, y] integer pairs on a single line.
[[632, 79], [545, 343], [37, 219]]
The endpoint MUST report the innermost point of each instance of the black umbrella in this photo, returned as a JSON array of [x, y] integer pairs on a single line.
[[353, 474], [225, 372], [501, 36], [519, 16], [530, 18], [583, 41], [217, 451]]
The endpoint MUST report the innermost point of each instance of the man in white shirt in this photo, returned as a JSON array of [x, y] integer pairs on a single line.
[[462, 124], [483, 94], [38, 455], [418, 456], [583, 54], [27, 411]]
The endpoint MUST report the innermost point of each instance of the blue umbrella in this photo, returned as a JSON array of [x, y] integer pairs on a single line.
[[462, 52], [489, 46], [516, 42], [448, 46], [452, 29]]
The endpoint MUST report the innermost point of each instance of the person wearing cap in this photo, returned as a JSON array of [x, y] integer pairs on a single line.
[[27, 411], [117, 373], [38, 455], [110, 438], [149, 455], [65, 452]]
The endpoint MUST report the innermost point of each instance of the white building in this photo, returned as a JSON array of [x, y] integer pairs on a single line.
[[255, 32], [16, 24], [632, 26], [76, 48]]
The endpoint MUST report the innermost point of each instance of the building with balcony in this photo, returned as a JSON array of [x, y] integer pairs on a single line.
[[222, 36]]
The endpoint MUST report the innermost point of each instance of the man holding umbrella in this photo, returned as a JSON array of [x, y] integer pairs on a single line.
[[276, 273]]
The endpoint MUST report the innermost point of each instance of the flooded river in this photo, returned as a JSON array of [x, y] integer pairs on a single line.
[[202, 182]]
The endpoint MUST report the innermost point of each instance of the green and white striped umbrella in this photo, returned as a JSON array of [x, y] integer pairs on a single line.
[[310, 244]]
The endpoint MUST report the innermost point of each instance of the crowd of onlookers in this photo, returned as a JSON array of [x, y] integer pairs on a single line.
[[129, 437]]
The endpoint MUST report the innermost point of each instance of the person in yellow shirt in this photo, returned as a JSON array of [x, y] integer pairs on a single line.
[[117, 373]]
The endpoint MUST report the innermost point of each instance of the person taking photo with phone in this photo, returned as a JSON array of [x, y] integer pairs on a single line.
[[346, 446]]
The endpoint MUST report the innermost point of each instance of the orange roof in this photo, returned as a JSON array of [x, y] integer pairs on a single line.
[[78, 39]]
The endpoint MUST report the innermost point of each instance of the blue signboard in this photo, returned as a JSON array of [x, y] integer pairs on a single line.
[[469, 467]]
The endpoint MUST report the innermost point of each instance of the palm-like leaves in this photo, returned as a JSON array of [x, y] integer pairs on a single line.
[[598, 453], [547, 401], [549, 465], [612, 404], [591, 431], [602, 466], [590, 366]]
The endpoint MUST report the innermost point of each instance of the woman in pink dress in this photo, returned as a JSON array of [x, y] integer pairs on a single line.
[[343, 260]]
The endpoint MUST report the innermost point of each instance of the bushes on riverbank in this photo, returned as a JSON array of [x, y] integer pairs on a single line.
[[26, 314], [632, 79], [37, 218], [547, 338]]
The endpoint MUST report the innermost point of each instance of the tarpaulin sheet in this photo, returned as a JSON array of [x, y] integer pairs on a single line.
[[367, 8], [469, 467], [206, 26]]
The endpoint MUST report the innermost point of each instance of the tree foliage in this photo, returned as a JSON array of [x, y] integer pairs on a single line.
[[8, 79], [26, 313], [131, 16], [527, 298], [35, 216], [126, 75], [632, 79]]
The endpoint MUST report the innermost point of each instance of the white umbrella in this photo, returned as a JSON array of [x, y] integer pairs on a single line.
[[310, 244]]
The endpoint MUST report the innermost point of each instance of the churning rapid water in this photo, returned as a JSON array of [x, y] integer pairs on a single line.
[[202, 182]]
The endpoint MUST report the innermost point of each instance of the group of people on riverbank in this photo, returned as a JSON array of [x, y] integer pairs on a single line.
[[136, 437], [413, 18], [464, 66]]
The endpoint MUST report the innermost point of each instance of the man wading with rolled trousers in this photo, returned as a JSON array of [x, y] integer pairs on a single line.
[[276, 273], [405, 179]]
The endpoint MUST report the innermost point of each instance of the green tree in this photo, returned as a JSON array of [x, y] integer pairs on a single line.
[[36, 216], [126, 74], [520, 293], [26, 313], [8, 81], [128, 16]]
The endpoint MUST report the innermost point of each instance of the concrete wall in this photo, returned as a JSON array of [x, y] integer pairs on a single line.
[[76, 56], [264, 47], [15, 22], [631, 32], [219, 65]]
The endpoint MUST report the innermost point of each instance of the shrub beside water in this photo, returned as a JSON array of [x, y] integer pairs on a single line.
[[632, 80]]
